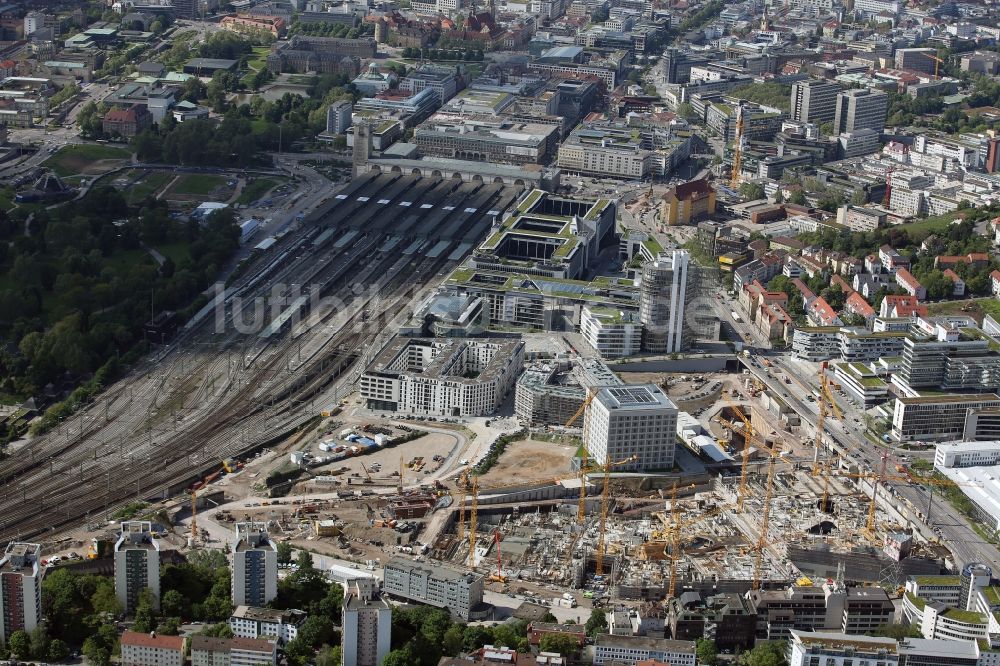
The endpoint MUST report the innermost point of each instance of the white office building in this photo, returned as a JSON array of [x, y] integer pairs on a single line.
[[338, 117], [967, 454], [255, 566], [137, 564], [435, 585], [810, 648], [632, 420], [20, 589], [662, 294], [633, 649], [367, 624], [613, 333]]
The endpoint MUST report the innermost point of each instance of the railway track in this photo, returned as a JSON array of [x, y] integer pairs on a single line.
[[249, 413]]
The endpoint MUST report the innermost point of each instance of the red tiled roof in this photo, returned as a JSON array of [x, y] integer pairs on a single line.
[[857, 304], [137, 639], [904, 276], [823, 310], [803, 289], [951, 275], [995, 275], [846, 288]]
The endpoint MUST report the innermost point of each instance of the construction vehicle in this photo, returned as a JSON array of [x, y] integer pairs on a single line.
[[368, 476], [229, 465]]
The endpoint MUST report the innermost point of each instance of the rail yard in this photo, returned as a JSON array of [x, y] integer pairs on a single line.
[[217, 391]]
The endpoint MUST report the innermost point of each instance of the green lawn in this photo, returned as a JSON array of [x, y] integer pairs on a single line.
[[152, 183], [85, 158], [933, 225], [258, 60], [197, 184], [974, 307], [256, 190], [178, 252]]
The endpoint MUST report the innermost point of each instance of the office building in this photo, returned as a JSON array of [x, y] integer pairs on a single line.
[[493, 141], [441, 376], [814, 101], [860, 109], [662, 295], [338, 117], [550, 392], [631, 650], [141, 649], [810, 648], [727, 617], [629, 421], [954, 361], [936, 417], [967, 454], [917, 60], [367, 624], [435, 585], [441, 80], [20, 589], [854, 610], [252, 622], [137, 564], [980, 485], [613, 333], [255, 566], [688, 202]]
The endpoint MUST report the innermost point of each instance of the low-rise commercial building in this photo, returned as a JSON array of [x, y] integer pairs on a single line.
[[493, 141], [435, 585], [808, 648], [936, 417], [631, 650]]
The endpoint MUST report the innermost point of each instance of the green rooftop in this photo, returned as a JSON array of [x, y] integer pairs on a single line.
[[916, 601], [945, 581], [964, 616], [992, 594]]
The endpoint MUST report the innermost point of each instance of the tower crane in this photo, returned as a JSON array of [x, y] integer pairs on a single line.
[[825, 401], [748, 434], [605, 504], [735, 177], [937, 63], [499, 577], [399, 484], [194, 517], [463, 484], [758, 548], [582, 507], [473, 516]]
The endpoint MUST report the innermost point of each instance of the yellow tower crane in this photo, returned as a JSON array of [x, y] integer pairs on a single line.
[[605, 504], [463, 485], [194, 517], [582, 506], [937, 63], [748, 433], [758, 548]]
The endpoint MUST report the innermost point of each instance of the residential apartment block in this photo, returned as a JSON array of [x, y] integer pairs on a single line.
[[140, 649], [137, 564], [367, 624], [442, 377], [255, 566], [20, 589]]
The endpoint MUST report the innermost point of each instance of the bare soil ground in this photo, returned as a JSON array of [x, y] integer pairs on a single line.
[[530, 460]]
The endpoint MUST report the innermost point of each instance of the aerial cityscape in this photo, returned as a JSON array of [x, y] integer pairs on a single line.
[[524, 332]]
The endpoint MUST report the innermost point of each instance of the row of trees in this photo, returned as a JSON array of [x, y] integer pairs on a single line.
[[331, 29]]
